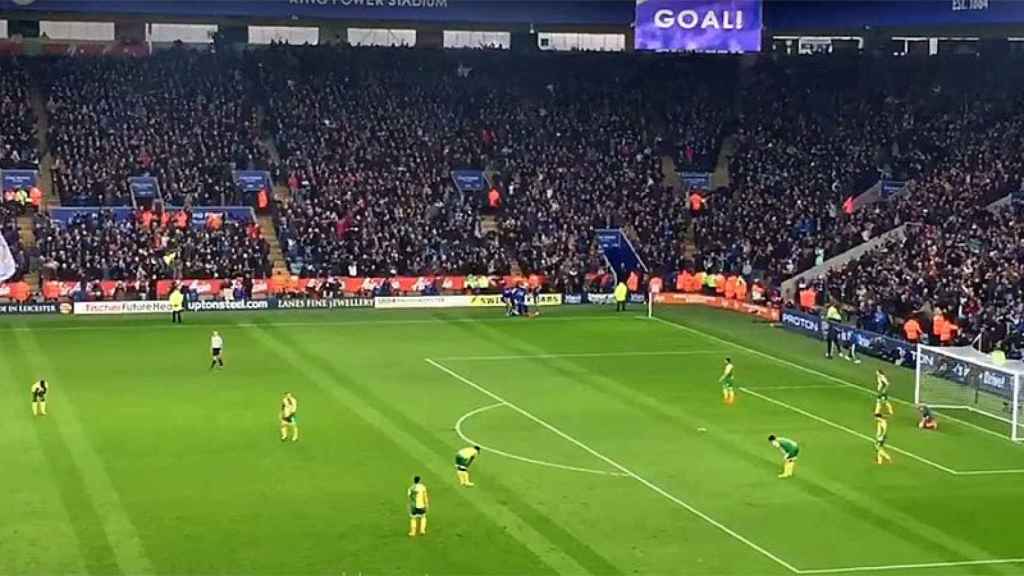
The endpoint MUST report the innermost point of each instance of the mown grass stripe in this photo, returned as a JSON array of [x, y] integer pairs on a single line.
[[96, 485], [533, 540], [20, 538]]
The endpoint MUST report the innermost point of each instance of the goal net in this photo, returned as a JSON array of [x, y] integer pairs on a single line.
[[962, 378]]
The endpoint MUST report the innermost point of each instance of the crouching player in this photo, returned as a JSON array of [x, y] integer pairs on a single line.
[[463, 460], [928, 421], [790, 450], [519, 295]]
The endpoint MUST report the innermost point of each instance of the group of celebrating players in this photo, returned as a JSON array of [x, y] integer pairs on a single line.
[[791, 450]]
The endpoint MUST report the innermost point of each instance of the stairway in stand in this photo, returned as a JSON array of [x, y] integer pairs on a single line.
[[670, 178], [28, 242], [269, 232], [50, 198], [488, 225]]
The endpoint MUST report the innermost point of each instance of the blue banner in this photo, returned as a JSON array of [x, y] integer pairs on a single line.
[[252, 181], [144, 187], [19, 179], [890, 188], [469, 180], [698, 25], [619, 252], [698, 180], [64, 215]]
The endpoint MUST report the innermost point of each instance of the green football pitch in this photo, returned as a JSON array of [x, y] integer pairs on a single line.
[[606, 450]]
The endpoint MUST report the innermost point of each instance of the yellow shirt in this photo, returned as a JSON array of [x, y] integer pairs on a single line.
[[177, 301], [418, 496], [621, 292]]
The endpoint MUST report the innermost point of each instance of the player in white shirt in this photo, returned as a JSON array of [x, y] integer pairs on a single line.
[[216, 350]]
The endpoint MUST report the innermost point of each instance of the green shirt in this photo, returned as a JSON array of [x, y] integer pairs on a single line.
[[833, 314], [788, 447]]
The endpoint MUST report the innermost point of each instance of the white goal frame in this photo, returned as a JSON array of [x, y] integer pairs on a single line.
[[969, 356]]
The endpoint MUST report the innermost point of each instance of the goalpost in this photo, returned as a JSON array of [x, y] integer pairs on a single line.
[[962, 378]]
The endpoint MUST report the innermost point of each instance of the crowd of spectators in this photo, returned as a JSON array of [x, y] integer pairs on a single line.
[[584, 153], [18, 149], [368, 139], [814, 134], [184, 117], [100, 246], [18, 145], [572, 143], [958, 255]]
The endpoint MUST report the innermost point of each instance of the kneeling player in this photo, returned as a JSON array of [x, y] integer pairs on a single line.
[[881, 435], [928, 421], [463, 460], [790, 451], [419, 501]]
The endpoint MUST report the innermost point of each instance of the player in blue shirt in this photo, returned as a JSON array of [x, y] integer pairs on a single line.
[[520, 299], [507, 299]]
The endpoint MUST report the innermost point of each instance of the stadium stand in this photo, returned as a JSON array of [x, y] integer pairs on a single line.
[[184, 117], [368, 138], [18, 147], [99, 245]]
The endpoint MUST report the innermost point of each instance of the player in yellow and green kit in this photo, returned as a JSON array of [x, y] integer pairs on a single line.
[[463, 459], [790, 450], [881, 435], [882, 389], [419, 501], [289, 417], [728, 393], [39, 390]]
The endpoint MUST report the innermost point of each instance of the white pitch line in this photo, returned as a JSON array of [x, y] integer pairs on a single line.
[[990, 472], [943, 412], [837, 426], [618, 466], [914, 566], [206, 325], [802, 368], [580, 355], [802, 387], [468, 440]]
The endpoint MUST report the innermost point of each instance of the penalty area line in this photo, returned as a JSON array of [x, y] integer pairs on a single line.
[[803, 368], [580, 355], [653, 487], [837, 426], [924, 565], [490, 450]]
